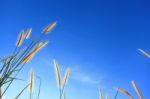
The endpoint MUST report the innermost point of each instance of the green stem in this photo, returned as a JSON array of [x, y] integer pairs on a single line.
[[60, 93], [30, 95], [39, 87], [62, 90], [116, 94]]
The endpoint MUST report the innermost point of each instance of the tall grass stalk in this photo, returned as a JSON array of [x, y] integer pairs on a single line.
[[61, 85], [137, 90]]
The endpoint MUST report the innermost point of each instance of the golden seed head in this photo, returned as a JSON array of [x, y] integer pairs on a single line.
[[31, 54], [39, 46], [27, 58], [144, 52], [137, 90], [49, 27], [31, 81], [28, 33], [125, 92], [66, 76], [20, 39], [42, 45], [58, 74]]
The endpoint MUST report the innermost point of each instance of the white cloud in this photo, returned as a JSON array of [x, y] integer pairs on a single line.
[[82, 77]]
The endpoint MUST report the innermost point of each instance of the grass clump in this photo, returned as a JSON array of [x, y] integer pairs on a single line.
[[23, 53]]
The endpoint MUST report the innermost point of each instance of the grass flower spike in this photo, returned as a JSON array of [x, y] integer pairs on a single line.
[[31, 81], [61, 85], [58, 74], [66, 76], [137, 90], [49, 27], [28, 33], [144, 52], [124, 92], [20, 39]]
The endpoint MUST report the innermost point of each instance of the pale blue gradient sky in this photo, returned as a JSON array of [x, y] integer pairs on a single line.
[[98, 39]]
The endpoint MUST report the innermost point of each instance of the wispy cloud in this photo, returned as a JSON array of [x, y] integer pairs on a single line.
[[85, 79], [82, 77]]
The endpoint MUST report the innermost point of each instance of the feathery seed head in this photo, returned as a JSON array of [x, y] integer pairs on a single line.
[[66, 76], [124, 92], [20, 39], [144, 52], [41, 45], [137, 90], [58, 75], [27, 57], [49, 27], [31, 81], [28, 33]]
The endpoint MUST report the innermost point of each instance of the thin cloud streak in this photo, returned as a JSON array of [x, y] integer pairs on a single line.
[[82, 77]]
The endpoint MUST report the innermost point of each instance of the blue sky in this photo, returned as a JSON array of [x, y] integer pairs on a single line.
[[98, 39]]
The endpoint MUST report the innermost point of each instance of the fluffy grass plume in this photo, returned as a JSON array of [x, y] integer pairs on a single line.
[[20, 38], [66, 76], [41, 45], [58, 75], [27, 58], [124, 92], [49, 27], [61, 85], [28, 33], [137, 90], [31, 81], [144, 52], [37, 47]]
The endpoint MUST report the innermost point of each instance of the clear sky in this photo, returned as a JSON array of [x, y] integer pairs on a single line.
[[98, 39]]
